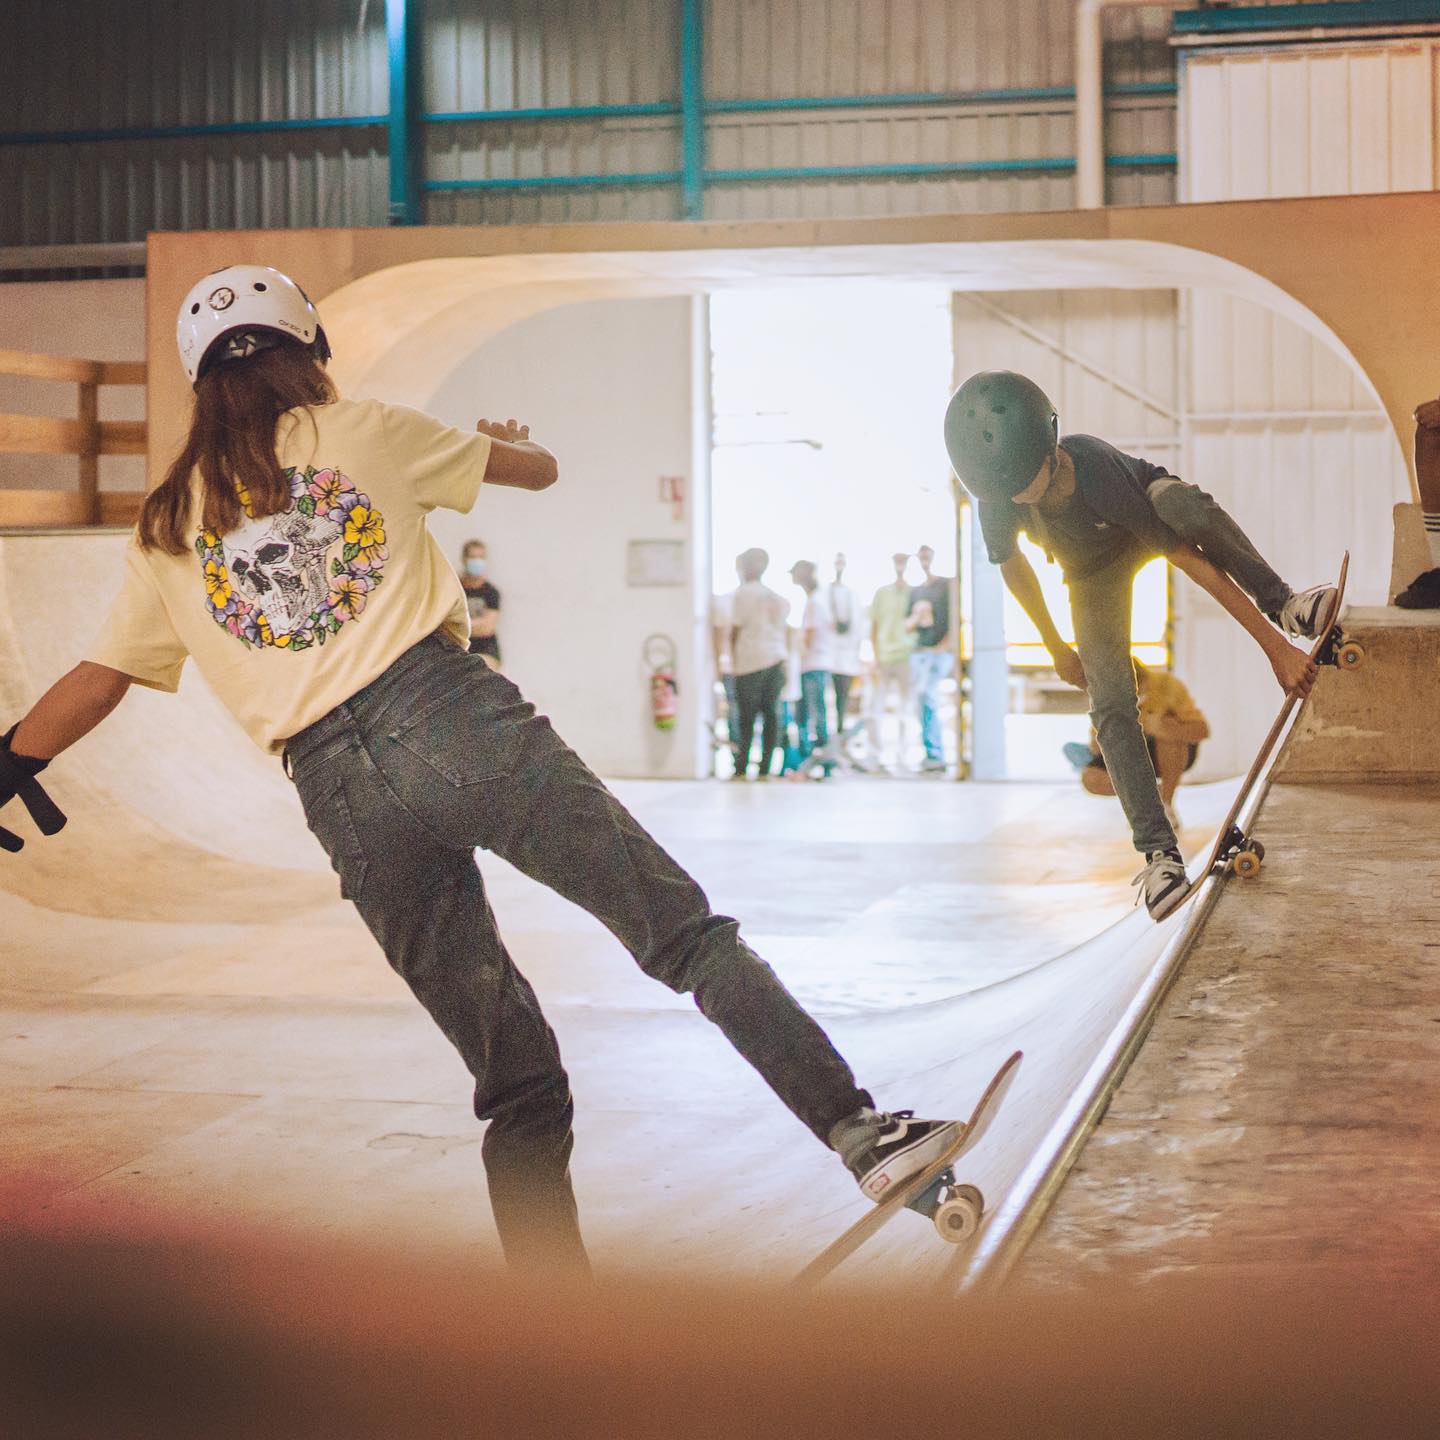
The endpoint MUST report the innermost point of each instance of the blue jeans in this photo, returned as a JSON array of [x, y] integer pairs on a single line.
[[732, 711], [927, 669], [1101, 604], [443, 755], [812, 714]]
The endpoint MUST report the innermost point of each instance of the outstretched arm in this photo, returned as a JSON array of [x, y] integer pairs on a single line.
[[515, 459], [1024, 585], [1293, 668], [73, 706]]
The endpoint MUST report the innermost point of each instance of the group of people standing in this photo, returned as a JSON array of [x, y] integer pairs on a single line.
[[785, 677]]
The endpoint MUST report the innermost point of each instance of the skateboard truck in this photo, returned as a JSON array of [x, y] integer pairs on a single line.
[[1339, 651], [955, 1209], [1239, 852]]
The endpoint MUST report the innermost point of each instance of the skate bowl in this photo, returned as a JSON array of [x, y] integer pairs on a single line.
[[182, 945]]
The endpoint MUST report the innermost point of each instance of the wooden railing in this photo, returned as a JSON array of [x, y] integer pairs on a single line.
[[87, 436]]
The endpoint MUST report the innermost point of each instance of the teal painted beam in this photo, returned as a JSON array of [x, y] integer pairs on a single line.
[[187, 132], [578, 112], [692, 109], [401, 34], [1243, 18], [549, 112], [926, 97], [1057, 165], [555, 182]]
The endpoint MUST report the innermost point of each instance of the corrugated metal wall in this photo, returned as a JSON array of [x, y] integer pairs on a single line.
[[77, 66], [92, 65], [1282, 430], [772, 49]]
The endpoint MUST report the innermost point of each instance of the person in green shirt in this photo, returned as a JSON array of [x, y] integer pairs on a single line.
[[893, 643]]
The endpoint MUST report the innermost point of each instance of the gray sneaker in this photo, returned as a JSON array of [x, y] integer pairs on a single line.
[[1308, 613]]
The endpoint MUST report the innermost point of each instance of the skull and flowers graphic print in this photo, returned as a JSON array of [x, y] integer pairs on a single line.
[[294, 578], [346, 576]]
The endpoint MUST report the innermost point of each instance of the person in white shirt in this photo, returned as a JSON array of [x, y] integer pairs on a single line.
[[757, 649], [722, 608], [817, 658], [849, 619]]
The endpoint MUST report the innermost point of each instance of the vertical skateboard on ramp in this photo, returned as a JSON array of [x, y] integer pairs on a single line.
[[956, 1209]]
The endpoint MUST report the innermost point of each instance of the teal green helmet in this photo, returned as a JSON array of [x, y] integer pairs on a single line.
[[1000, 428]]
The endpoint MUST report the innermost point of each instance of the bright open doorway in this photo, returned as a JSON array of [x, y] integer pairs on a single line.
[[827, 400]]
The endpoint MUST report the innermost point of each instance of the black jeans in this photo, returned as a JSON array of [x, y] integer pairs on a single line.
[[442, 755], [842, 685], [759, 695]]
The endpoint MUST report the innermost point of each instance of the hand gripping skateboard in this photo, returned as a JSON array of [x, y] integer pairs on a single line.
[[955, 1209], [1236, 849]]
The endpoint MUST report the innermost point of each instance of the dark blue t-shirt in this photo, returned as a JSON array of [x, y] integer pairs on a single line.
[[1109, 517]]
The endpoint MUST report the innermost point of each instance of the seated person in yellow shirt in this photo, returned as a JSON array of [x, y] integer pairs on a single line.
[[1173, 726]]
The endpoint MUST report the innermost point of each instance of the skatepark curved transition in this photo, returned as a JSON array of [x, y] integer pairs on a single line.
[[198, 1025], [204, 1019]]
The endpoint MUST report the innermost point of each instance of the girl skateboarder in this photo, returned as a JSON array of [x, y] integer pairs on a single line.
[[1102, 514], [287, 553]]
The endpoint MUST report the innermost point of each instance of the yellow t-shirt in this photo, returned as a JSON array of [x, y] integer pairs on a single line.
[[289, 615]]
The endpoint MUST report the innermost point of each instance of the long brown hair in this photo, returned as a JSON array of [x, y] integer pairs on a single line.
[[232, 445]]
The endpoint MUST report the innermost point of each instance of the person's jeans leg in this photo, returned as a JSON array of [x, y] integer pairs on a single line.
[[875, 712], [814, 722], [425, 904], [770, 685], [1100, 605], [489, 772], [928, 669], [1196, 518], [842, 684], [749, 690], [732, 711]]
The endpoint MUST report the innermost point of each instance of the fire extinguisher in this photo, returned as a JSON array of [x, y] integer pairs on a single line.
[[660, 655]]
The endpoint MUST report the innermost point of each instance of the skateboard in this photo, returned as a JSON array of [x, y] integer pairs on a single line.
[[1237, 850], [955, 1209]]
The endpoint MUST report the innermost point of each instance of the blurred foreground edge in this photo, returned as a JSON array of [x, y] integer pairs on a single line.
[[160, 1333]]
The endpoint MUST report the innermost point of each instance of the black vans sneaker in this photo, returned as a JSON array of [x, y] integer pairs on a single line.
[[883, 1150], [1163, 882]]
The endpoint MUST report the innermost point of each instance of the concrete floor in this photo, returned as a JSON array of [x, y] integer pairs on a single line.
[[1284, 1113]]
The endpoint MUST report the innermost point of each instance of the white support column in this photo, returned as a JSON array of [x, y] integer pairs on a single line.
[[1090, 99]]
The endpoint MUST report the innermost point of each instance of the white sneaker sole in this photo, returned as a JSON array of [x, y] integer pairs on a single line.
[[1170, 902], [906, 1164]]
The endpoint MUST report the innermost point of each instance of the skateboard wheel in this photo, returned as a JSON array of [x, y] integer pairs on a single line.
[[1258, 846], [1350, 655], [957, 1217], [1247, 862]]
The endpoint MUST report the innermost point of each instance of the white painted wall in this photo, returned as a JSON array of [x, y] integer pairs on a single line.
[[1284, 432], [611, 387], [88, 319]]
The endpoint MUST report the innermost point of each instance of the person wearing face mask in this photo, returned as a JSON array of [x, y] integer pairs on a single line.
[[483, 602]]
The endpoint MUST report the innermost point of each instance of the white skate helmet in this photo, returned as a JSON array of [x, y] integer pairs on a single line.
[[251, 304]]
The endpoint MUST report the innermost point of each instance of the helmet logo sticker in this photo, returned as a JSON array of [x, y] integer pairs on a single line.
[[222, 299]]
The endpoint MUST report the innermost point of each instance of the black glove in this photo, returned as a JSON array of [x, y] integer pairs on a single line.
[[17, 777]]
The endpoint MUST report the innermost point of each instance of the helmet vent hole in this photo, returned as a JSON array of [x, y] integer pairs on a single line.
[[195, 308], [261, 285]]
